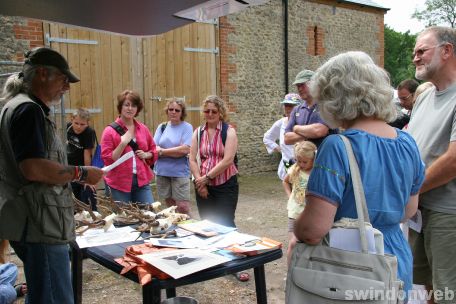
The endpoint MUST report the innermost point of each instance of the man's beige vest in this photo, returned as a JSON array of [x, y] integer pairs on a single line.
[[32, 211]]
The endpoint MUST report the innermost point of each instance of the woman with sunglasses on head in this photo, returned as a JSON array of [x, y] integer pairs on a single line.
[[215, 173], [212, 162], [172, 169], [129, 182]]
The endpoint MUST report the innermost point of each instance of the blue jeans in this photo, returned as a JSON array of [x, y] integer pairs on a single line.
[[47, 272], [137, 195], [8, 275]]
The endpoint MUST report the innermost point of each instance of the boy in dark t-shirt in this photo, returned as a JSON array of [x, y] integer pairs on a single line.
[[80, 144]]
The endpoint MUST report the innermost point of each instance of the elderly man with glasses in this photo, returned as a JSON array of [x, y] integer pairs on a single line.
[[36, 207], [305, 122], [433, 126]]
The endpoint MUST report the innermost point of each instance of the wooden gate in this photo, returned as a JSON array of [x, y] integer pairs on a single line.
[[181, 63]]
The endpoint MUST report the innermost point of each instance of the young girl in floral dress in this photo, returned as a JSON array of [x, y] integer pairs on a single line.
[[295, 185]]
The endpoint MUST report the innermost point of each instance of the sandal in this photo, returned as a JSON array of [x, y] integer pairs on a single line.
[[242, 276], [21, 289]]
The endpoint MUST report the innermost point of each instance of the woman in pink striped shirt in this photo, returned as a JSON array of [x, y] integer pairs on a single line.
[[212, 155]]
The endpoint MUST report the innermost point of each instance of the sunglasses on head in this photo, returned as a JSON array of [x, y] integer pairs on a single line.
[[210, 111], [174, 110]]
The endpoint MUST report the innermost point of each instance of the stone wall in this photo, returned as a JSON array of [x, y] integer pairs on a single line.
[[17, 36], [252, 60]]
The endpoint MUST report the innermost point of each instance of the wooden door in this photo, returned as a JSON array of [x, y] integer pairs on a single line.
[[157, 68]]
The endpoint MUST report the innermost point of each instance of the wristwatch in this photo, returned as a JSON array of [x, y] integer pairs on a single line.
[[160, 153]]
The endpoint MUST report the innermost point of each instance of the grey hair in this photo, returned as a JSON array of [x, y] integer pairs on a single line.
[[350, 85], [21, 82], [443, 34]]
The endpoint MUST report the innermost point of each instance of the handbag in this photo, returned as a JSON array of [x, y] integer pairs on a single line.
[[320, 274], [96, 159]]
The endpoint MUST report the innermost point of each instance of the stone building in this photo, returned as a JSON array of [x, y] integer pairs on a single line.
[[261, 51], [263, 48]]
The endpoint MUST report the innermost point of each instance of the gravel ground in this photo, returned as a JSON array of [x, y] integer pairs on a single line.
[[261, 211]]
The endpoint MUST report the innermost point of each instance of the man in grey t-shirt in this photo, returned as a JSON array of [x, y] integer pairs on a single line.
[[433, 126]]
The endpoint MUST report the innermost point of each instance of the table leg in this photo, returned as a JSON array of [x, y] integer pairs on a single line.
[[76, 273], [151, 294], [260, 284], [171, 292]]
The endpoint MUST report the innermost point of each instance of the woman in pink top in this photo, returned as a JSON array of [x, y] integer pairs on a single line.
[[129, 182], [216, 183]]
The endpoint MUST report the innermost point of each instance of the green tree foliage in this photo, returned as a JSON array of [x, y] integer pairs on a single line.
[[438, 12], [398, 55]]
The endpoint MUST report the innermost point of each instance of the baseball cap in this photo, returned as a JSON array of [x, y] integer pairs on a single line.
[[291, 98], [303, 76], [49, 57]]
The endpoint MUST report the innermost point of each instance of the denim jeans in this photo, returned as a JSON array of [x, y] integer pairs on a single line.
[[8, 275], [47, 272], [137, 195]]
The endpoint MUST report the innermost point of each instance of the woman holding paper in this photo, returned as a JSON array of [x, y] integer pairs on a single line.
[[352, 92], [129, 181]]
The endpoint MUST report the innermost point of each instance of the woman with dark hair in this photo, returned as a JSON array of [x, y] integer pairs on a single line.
[[129, 182], [172, 170]]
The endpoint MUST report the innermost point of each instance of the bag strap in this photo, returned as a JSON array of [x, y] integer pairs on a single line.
[[198, 155], [360, 198], [163, 126], [121, 131], [117, 127]]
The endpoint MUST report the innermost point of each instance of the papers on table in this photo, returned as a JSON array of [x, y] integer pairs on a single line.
[[190, 241], [198, 252], [193, 241], [182, 262], [98, 237], [122, 159], [205, 228]]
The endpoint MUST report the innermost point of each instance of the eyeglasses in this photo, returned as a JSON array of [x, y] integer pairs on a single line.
[[64, 77], [420, 52], [210, 111], [174, 110], [405, 97]]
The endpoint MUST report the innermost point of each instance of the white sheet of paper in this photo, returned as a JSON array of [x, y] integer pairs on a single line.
[[181, 262], [348, 239], [416, 221], [122, 159], [97, 237], [187, 242], [228, 239]]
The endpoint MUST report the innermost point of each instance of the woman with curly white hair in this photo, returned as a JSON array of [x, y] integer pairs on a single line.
[[352, 92]]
